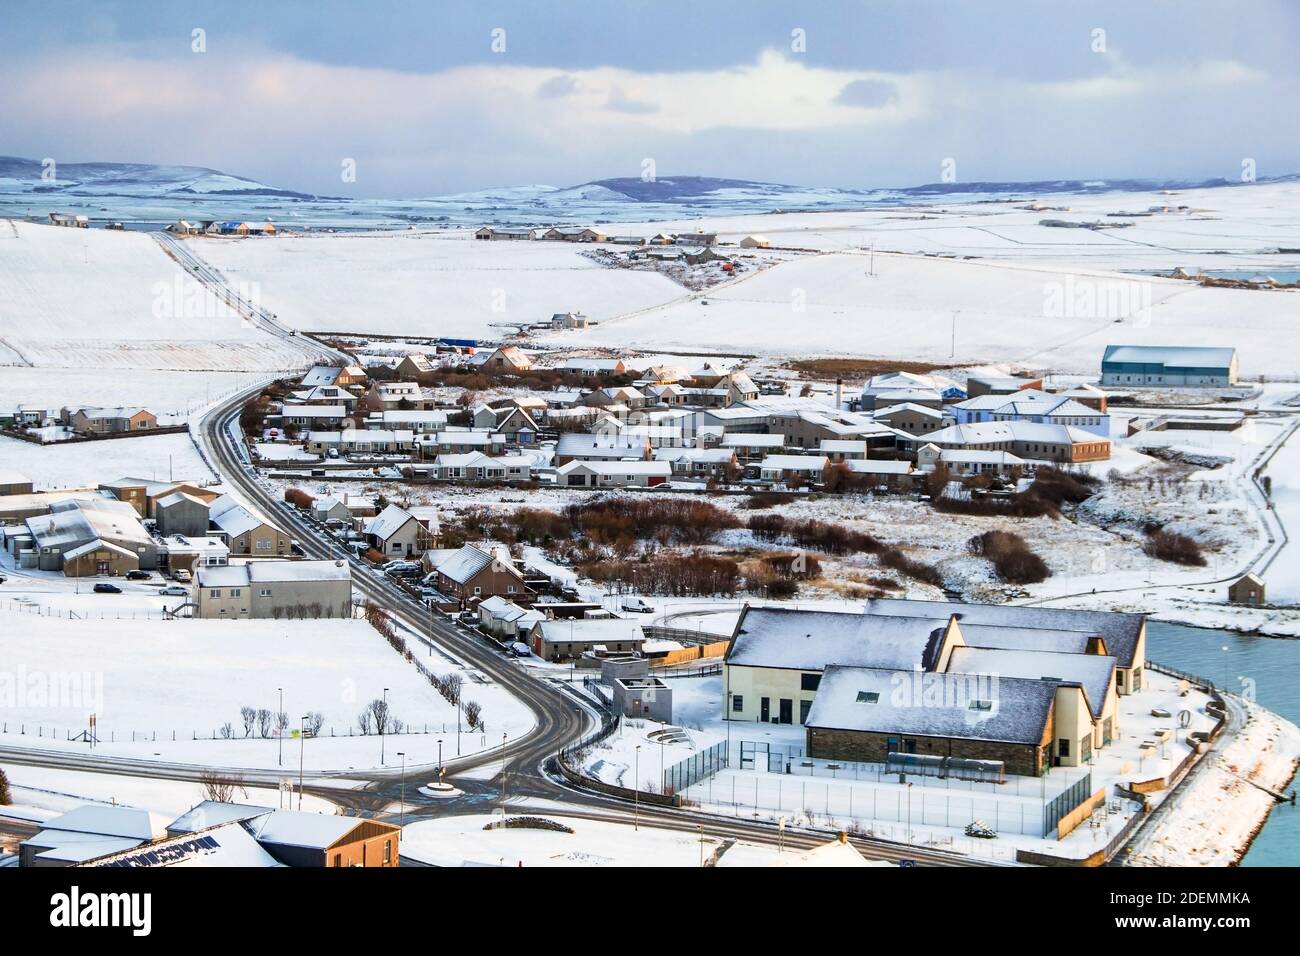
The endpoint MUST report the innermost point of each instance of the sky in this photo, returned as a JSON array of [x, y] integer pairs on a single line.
[[435, 98]]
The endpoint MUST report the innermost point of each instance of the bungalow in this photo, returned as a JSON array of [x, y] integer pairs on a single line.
[[752, 446], [619, 395], [363, 441], [455, 442], [109, 421], [382, 396], [503, 232], [614, 474], [569, 320], [701, 462], [91, 536], [313, 416], [592, 367], [566, 640], [66, 220], [573, 446], [842, 449], [331, 511], [755, 242], [962, 463], [334, 375], [785, 468]]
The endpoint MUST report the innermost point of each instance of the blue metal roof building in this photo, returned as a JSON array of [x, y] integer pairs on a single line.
[[1146, 365]]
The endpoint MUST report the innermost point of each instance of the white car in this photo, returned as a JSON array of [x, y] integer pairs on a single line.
[[174, 590]]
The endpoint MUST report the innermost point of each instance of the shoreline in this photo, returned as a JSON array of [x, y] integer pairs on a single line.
[[1219, 812]]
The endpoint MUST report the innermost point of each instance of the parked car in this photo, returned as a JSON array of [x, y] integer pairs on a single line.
[[103, 587], [402, 568], [637, 604], [174, 590], [332, 453], [181, 575], [138, 575], [520, 649]]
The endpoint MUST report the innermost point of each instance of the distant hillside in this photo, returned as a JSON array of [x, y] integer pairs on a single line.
[[133, 180]]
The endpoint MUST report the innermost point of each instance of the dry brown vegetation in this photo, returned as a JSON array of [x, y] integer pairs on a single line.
[[1174, 547], [862, 368], [1012, 558]]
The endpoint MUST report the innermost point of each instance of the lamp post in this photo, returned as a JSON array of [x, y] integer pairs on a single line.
[[279, 760], [636, 789], [504, 778], [701, 829], [440, 758], [382, 726], [402, 812], [302, 747]]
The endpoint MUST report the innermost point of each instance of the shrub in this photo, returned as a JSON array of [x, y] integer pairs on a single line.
[[299, 498], [5, 797], [1174, 547], [1012, 558]]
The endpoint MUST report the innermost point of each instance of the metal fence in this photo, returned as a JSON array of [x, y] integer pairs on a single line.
[[1065, 801], [699, 766]]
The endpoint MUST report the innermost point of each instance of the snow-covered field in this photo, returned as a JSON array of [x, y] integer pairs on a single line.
[[429, 284], [94, 298], [161, 690], [86, 464], [172, 393]]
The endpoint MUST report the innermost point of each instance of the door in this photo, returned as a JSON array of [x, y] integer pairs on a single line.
[[765, 709], [787, 710], [101, 567]]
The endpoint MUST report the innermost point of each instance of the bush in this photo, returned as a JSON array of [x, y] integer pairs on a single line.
[[299, 499], [1173, 547], [5, 797], [1012, 558]]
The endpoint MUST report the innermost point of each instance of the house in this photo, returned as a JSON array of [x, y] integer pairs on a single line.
[[455, 442], [755, 242], [330, 510], [1247, 589], [342, 376], [569, 320], [573, 446], [246, 534], [923, 386], [414, 365], [1055, 443], [517, 425], [274, 589], [964, 463], [787, 467], [842, 449], [508, 358], [739, 387], [69, 221], [505, 619], [504, 232], [977, 385], [695, 239], [106, 421], [699, 462], [181, 513], [362, 441], [625, 395], [381, 396], [614, 474], [472, 574], [566, 640], [317, 417], [91, 536], [183, 227], [592, 367], [1172, 365], [752, 446], [397, 533]]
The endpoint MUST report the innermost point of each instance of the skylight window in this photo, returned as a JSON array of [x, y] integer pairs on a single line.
[[868, 697]]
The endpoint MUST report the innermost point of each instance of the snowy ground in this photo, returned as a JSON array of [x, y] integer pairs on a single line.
[[86, 464], [431, 284], [463, 841], [94, 298], [151, 685], [166, 393]]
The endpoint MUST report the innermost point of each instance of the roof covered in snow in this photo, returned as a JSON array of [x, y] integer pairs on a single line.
[[795, 639], [1095, 673]]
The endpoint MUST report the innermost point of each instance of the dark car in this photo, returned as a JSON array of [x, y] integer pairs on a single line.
[[103, 587], [138, 575]]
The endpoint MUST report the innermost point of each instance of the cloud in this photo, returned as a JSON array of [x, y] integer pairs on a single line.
[[562, 84], [619, 103], [868, 94]]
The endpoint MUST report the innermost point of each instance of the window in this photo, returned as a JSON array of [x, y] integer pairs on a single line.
[[981, 705], [809, 681], [236, 592], [214, 593], [868, 697], [388, 851], [804, 707], [264, 592], [395, 546], [737, 703], [1063, 747]]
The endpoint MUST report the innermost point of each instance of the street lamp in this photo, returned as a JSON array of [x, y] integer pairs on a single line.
[[636, 789], [504, 778], [280, 730], [402, 813], [302, 747], [382, 725], [439, 758]]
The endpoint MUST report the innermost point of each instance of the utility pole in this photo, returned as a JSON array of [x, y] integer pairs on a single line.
[[402, 812], [382, 727], [636, 789], [302, 747], [953, 353], [279, 729]]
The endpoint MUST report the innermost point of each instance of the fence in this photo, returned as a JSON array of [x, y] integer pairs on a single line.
[[698, 766], [1066, 802], [685, 635], [40, 610]]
